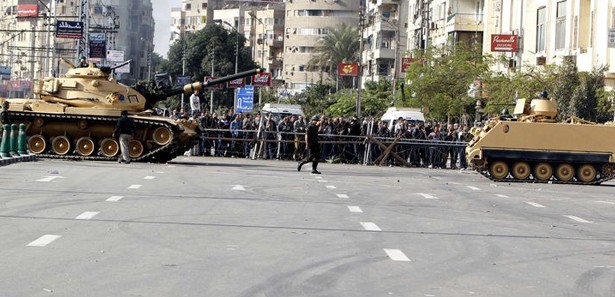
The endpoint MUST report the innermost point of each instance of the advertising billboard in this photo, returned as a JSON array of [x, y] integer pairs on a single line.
[[69, 29], [504, 43]]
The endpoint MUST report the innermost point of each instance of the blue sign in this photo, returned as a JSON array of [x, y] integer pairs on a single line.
[[245, 99], [183, 80]]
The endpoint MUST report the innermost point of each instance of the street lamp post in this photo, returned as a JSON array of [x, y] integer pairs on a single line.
[[236, 57], [260, 89], [361, 27]]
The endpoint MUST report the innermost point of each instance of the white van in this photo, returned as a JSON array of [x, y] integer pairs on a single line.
[[278, 111], [412, 115]]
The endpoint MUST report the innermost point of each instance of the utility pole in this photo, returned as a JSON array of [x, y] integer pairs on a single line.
[[211, 94], [82, 48], [361, 28]]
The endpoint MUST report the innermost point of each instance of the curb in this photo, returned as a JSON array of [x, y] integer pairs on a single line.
[[22, 158]]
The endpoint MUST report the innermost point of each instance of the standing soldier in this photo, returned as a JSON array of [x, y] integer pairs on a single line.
[[311, 139], [125, 129]]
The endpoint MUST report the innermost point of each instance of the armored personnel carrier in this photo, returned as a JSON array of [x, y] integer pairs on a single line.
[[533, 146], [74, 116]]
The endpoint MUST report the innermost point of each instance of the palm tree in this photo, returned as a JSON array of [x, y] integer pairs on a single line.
[[339, 45]]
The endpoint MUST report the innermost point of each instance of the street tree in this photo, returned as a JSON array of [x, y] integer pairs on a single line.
[[374, 99], [340, 44]]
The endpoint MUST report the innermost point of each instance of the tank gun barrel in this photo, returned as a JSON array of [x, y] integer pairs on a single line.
[[189, 88]]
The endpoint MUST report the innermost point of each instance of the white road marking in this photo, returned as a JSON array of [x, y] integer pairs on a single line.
[[436, 177], [318, 177], [114, 198], [331, 187], [48, 179], [473, 188], [354, 209], [579, 219], [605, 202], [44, 240], [135, 186], [238, 188], [158, 172], [322, 181], [149, 177], [343, 196], [369, 226], [501, 196], [87, 215], [454, 183], [534, 204], [427, 196], [397, 255]]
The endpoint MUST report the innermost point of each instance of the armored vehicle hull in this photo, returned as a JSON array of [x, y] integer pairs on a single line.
[[521, 150]]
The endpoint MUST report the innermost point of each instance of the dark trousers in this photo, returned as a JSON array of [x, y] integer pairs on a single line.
[[314, 157]]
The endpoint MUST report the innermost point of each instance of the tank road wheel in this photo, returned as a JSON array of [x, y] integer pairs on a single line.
[[543, 171], [85, 146], [135, 149], [162, 136], [586, 173], [109, 147], [564, 172], [499, 169], [60, 145], [521, 170], [37, 144]]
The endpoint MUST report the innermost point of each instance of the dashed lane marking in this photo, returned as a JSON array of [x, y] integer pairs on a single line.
[[534, 204], [149, 177], [501, 196], [49, 178], [427, 196], [44, 240], [238, 188], [114, 198], [574, 218], [318, 177], [355, 209], [135, 186], [473, 188], [322, 181], [87, 215], [343, 196], [396, 255], [605, 202], [331, 187], [369, 226]]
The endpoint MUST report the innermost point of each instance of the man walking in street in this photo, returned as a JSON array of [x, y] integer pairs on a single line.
[[311, 139], [125, 129]]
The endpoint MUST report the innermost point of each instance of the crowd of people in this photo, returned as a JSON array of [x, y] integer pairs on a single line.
[[343, 139]]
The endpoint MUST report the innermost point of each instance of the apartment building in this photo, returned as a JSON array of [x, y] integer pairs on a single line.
[[306, 21], [31, 50], [550, 31], [386, 39]]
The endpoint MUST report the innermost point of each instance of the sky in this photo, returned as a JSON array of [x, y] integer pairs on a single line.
[[162, 16]]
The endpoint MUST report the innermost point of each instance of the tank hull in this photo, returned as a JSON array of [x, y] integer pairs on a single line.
[[519, 151], [89, 136]]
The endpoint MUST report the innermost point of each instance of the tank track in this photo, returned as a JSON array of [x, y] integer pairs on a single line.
[[485, 173], [160, 155]]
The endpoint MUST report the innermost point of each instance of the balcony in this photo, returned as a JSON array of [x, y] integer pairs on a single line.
[[382, 53], [464, 22]]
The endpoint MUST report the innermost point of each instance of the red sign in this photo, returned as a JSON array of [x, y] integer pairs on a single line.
[[346, 69], [405, 63], [208, 78], [504, 43], [236, 83], [27, 10], [261, 79]]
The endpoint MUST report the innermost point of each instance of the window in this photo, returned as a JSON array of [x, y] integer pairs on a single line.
[[560, 26], [188, 6], [540, 29]]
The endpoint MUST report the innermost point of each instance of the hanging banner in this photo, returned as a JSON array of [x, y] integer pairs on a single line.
[[98, 45], [27, 8], [261, 79], [115, 56], [504, 43], [69, 29], [346, 69]]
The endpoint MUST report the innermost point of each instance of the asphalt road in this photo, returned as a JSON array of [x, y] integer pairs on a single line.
[[235, 227]]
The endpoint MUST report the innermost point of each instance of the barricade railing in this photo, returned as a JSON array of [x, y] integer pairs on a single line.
[[367, 150]]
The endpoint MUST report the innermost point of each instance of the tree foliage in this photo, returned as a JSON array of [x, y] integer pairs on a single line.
[[374, 100], [340, 44], [439, 83]]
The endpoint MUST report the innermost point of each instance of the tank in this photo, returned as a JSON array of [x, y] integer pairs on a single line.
[[74, 116], [532, 146]]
